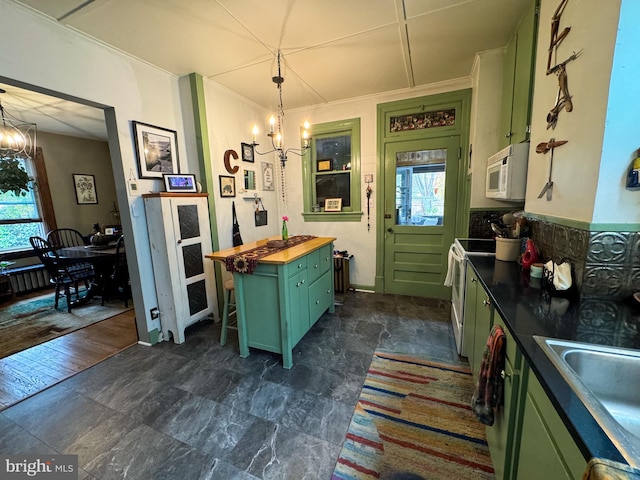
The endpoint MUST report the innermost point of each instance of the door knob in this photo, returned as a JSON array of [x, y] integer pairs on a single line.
[[390, 230]]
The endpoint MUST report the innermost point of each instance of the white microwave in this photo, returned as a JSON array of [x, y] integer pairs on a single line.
[[507, 173]]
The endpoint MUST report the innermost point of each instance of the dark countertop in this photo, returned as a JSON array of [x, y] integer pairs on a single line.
[[527, 312]]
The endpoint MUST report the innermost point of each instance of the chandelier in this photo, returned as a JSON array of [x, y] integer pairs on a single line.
[[17, 137], [276, 126]]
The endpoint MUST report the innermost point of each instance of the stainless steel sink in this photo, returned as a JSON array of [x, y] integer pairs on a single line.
[[607, 381]]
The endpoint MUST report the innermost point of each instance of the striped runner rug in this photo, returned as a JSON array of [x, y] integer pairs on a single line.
[[414, 421]]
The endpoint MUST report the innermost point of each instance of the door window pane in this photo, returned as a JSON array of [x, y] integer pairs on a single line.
[[420, 181]]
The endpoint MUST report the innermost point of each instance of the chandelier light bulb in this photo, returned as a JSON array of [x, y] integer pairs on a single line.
[[272, 123], [255, 133]]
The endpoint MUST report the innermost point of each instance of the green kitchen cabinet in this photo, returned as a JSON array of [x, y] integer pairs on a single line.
[[484, 320], [517, 88], [547, 449], [469, 331], [503, 435], [478, 315], [298, 305]]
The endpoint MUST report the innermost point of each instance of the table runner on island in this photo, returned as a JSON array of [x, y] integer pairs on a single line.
[[246, 262]]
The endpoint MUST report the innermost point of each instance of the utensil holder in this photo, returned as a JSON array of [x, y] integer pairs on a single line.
[[507, 249]]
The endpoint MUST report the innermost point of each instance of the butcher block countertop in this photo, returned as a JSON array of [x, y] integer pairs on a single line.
[[281, 257]]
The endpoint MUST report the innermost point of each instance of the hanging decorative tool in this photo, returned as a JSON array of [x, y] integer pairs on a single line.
[[368, 179], [556, 38], [563, 99], [543, 148]]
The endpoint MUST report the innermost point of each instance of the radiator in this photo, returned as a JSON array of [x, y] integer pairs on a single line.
[[29, 279]]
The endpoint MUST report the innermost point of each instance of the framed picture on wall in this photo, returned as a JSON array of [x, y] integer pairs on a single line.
[[85, 186], [156, 150], [267, 176], [247, 152], [227, 186]]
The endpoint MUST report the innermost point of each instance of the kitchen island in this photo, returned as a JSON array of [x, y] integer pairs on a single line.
[[279, 301]]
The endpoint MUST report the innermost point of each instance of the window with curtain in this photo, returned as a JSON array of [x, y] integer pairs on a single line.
[[24, 216]]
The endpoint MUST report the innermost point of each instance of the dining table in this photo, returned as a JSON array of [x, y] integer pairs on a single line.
[[101, 257]]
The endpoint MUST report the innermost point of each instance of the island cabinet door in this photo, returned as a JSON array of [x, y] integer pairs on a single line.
[[319, 262], [298, 308], [320, 297]]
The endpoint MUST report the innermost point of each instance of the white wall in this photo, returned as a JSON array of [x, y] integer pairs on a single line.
[[577, 165], [47, 55], [230, 119]]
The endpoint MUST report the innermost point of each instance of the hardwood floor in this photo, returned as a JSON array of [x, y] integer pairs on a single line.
[[26, 373]]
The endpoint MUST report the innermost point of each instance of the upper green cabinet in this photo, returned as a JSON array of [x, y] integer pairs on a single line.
[[518, 73]]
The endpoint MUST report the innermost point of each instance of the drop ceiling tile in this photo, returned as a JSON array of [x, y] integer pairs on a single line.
[[299, 24], [370, 63], [180, 37]]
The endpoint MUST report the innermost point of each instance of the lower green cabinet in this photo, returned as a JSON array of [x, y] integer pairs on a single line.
[[469, 331], [547, 450], [528, 440], [502, 436]]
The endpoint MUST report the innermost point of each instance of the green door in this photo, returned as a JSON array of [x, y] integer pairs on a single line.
[[421, 178]]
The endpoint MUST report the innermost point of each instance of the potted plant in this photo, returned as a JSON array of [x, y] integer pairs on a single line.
[[13, 177]]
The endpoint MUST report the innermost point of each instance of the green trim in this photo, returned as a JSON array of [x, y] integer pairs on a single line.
[[589, 227], [199, 107], [332, 216], [352, 213], [154, 336]]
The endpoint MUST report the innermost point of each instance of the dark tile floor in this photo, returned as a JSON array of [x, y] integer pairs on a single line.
[[199, 411]]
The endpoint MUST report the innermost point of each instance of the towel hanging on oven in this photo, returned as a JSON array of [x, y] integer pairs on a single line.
[[261, 214]]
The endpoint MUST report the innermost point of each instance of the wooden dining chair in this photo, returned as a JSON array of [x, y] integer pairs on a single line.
[[64, 275], [66, 237], [116, 283]]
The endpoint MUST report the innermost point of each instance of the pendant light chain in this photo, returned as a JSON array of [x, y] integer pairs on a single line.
[[283, 185]]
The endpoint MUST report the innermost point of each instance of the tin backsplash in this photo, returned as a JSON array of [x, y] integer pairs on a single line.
[[605, 264]]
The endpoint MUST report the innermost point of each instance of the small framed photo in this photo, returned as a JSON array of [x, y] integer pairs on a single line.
[[156, 150], [267, 176], [85, 186], [247, 152], [333, 205], [227, 186], [324, 165], [180, 182]]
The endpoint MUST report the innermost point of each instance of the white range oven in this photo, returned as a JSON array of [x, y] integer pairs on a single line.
[[460, 251]]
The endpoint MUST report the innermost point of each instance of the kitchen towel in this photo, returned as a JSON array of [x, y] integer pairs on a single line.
[[448, 281], [489, 390]]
